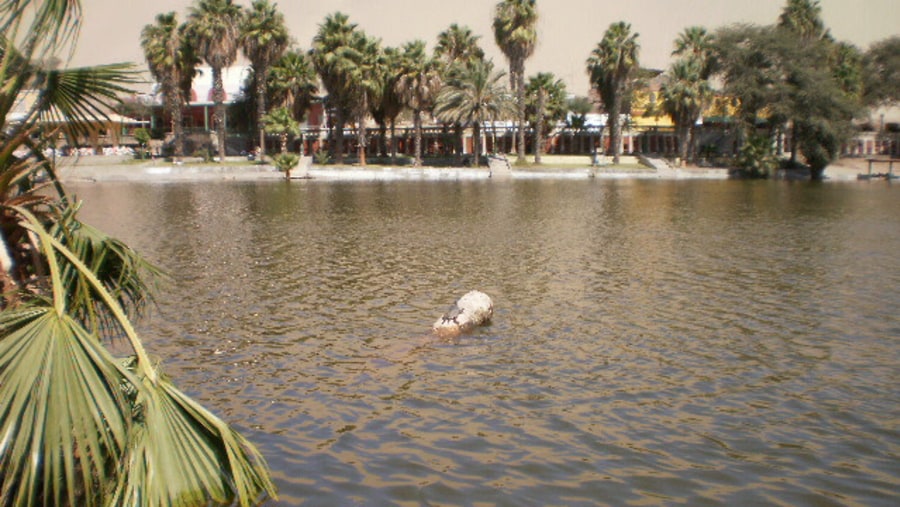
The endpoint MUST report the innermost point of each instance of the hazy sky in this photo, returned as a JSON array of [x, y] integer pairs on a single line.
[[567, 29]]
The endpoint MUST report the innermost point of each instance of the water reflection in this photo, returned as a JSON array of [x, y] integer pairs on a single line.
[[710, 342]]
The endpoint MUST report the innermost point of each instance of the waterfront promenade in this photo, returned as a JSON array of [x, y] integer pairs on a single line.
[[120, 168]]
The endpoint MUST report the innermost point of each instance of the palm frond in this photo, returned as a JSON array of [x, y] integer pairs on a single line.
[[76, 97], [64, 420], [181, 454]]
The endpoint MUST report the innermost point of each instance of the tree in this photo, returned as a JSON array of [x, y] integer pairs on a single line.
[[610, 67], [327, 53], [882, 72], [362, 84], [685, 95], [474, 96], [516, 34], [264, 38], [171, 61], [214, 28], [780, 77], [293, 84], [417, 85], [698, 44], [804, 18], [282, 123], [457, 47], [578, 109], [389, 105], [80, 426], [546, 103]]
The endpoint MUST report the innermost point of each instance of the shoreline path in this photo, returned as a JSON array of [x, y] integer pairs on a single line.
[[98, 169]]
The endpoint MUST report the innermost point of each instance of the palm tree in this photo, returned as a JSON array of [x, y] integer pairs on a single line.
[[417, 85], [546, 102], [293, 84], [171, 62], [696, 42], [327, 54], [685, 95], [578, 107], [516, 35], [215, 31], [474, 96], [281, 122], [457, 46], [389, 106], [264, 38], [362, 84], [79, 426], [804, 18], [610, 67]]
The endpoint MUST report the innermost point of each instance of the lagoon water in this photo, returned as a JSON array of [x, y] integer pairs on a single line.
[[653, 343]]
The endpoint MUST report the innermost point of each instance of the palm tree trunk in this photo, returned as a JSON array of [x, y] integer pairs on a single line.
[[219, 99], [539, 127], [616, 129], [520, 102], [393, 141], [417, 128], [339, 136], [261, 111], [476, 131], [361, 138]]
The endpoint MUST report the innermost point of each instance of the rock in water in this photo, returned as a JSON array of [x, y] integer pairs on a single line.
[[473, 309]]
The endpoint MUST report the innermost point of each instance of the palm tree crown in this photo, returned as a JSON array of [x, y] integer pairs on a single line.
[[417, 85], [473, 96], [516, 34], [610, 67], [215, 32], [264, 38]]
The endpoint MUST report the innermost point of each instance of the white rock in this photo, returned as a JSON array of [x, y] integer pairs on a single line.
[[474, 309]]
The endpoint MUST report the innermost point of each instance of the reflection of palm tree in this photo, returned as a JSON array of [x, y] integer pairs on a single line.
[[215, 32], [472, 97], [546, 102], [515, 33], [417, 86], [79, 426], [610, 66], [264, 38], [171, 61]]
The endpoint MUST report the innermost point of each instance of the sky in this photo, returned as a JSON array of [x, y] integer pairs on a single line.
[[568, 30]]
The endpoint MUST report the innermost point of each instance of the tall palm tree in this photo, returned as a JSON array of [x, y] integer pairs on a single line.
[[546, 103], [386, 110], [79, 426], [457, 47], [473, 96], [264, 38], [362, 85], [417, 85], [327, 54], [610, 67], [215, 31], [293, 84], [170, 60], [685, 95], [516, 34]]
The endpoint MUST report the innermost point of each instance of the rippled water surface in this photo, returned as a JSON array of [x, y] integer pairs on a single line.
[[680, 342]]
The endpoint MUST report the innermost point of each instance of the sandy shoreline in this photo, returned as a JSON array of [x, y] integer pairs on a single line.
[[111, 169]]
